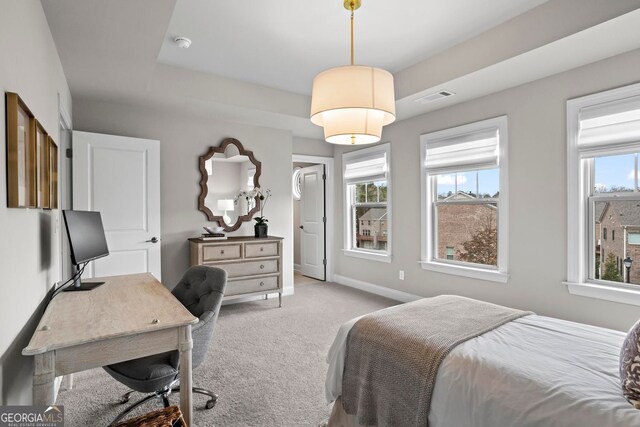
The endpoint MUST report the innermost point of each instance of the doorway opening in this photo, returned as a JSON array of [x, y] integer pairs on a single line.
[[312, 192]]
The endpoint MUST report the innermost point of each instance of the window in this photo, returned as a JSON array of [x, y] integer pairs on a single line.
[[604, 199], [367, 188], [464, 176], [450, 252]]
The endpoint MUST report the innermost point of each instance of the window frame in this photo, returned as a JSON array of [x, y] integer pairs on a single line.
[[429, 260], [580, 181], [349, 247]]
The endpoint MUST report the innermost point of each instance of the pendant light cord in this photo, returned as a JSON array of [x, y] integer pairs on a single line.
[[353, 5]]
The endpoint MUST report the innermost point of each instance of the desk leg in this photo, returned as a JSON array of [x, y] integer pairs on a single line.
[[44, 376], [186, 394]]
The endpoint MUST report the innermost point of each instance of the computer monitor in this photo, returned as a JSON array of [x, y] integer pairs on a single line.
[[87, 242]]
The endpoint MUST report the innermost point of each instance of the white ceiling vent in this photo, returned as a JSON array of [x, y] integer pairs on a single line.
[[434, 97]]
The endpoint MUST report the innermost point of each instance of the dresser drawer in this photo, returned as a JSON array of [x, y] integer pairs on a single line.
[[221, 252], [236, 287], [255, 250], [250, 268]]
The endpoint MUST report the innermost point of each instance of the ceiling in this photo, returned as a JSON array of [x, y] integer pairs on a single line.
[[285, 44], [253, 62]]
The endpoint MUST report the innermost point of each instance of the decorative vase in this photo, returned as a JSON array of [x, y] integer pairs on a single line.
[[261, 230]]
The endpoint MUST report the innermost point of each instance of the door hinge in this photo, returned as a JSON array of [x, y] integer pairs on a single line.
[[324, 261], [324, 219], [69, 153], [324, 176]]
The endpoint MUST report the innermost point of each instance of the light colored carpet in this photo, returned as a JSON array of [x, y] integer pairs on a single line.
[[299, 279], [267, 364]]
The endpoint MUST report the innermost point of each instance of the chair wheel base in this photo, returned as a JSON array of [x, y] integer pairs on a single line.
[[210, 404], [125, 398]]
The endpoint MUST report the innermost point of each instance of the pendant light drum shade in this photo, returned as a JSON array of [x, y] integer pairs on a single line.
[[352, 103]]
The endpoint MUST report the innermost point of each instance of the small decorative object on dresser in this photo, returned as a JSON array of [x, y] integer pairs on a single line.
[[261, 229], [254, 267]]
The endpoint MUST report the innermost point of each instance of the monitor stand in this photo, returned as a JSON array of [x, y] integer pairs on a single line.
[[84, 286], [80, 285]]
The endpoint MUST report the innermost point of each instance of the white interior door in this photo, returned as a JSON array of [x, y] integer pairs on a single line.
[[312, 222], [120, 177]]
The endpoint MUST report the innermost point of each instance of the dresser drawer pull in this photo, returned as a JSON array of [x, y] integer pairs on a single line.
[[261, 266], [221, 251], [261, 249], [261, 283]]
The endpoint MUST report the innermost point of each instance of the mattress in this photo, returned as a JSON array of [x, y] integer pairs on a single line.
[[534, 371]]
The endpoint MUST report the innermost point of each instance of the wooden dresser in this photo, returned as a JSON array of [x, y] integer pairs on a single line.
[[254, 266]]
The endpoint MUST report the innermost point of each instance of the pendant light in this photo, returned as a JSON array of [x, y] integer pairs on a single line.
[[353, 102]]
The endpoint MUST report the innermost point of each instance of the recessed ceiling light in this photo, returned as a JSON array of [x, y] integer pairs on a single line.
[[182, 42]]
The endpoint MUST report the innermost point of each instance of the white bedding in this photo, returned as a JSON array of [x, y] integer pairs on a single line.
[[532, 372]]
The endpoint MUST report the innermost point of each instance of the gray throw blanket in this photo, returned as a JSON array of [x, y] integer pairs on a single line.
[[393, 355]]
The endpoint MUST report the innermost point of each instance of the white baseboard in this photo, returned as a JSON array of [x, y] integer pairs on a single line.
[[393, 294], [297, 268]]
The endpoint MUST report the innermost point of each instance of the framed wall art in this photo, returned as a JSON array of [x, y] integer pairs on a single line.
[[43, 169], [21, 154]]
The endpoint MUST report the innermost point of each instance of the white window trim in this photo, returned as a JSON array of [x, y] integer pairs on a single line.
[[363, 253], [578, 230], [428, 260]]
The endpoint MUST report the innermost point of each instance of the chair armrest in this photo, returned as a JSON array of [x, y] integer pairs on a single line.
[[204, 319]]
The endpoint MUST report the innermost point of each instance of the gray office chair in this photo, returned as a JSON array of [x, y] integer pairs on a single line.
[[200, 290]]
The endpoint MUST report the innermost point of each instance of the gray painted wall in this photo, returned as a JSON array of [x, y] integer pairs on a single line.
[[29, 238], [538, 199], [182, 140], [312, 147]]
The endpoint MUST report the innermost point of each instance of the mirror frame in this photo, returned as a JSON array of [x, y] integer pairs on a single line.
[[205, 177]]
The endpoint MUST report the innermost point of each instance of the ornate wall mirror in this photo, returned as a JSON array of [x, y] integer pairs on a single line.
[[227, 172]]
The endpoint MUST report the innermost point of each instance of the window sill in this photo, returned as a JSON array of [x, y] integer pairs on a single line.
[[609, 293], [458, 270], [367, 255]]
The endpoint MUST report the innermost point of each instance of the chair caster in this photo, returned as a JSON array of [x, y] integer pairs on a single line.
[[210, 404], [126, 398]]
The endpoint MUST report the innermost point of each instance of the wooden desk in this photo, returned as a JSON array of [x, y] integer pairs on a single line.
[[128, 317]]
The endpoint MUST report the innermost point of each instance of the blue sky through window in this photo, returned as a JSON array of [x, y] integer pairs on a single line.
[[615, 173], [485, 182]]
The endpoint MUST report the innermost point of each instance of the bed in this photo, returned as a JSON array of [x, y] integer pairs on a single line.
[[532, 371]]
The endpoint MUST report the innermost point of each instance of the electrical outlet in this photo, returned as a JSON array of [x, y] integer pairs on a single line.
[[401, 275]]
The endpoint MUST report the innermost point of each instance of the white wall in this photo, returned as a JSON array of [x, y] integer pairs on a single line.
[[29, 238], [538, 199], [182, 140]]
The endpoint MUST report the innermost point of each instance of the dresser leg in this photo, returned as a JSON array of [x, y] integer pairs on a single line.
[[279, 299]]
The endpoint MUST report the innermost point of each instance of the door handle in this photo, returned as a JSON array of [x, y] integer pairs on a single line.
[[154, 239], [302, 227]]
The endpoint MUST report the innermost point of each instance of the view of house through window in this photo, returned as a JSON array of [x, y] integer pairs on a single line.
[[367, 186], [466, 214], [369, 207], [615, 203], [465, 209]]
